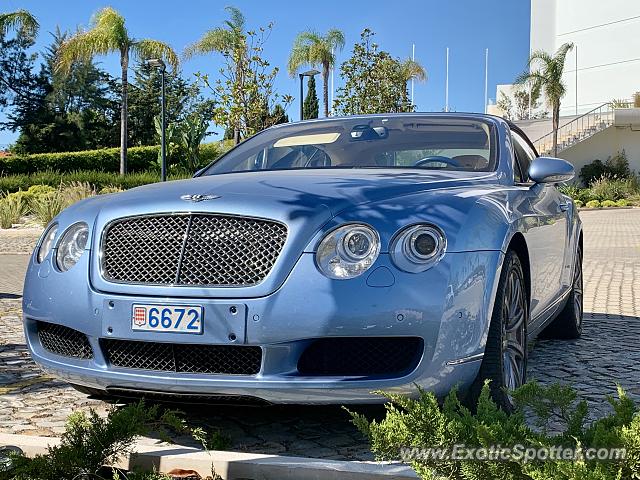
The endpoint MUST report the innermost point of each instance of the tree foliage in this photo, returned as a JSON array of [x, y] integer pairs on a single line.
[[316, 50], [374, 81], [310, 107]]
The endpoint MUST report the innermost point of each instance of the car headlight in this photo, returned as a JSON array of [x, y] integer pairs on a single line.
[[348, 251], [418, 247], [47, 242], [71, 246]]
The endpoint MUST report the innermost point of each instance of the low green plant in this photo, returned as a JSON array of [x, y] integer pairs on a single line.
[[98, 180], [12, 208], [608, 204], [110, 189], [47, 206], [545, 417], [613, 188], [615, 166], [578, 203], [593, 204], [90, 442], [622, 203]]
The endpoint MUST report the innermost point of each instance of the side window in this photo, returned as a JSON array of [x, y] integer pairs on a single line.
[[524, 156]]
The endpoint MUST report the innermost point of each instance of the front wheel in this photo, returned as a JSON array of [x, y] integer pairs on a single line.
[[505, 358]]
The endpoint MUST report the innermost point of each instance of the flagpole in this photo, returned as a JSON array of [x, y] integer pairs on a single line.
[[446, 85], [486, 78]]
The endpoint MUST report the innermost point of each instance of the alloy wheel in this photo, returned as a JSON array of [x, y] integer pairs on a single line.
[[514, 332]]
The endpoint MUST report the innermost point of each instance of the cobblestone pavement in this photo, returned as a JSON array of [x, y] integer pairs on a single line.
[[608, 352]]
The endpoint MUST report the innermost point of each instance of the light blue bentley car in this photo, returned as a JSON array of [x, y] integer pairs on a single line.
[[314, 263]]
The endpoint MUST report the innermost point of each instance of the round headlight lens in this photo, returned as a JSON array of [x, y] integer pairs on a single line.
[[47, 242], [348, 251], [417, 248], [71, 246]]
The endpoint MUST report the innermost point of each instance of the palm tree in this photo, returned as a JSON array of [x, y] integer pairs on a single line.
[[224, 40], [547, 77], [108, 34], [311, 48], [412, 70], [20, 19]]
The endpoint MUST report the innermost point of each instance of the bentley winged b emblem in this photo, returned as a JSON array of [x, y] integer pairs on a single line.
[[198, 198]]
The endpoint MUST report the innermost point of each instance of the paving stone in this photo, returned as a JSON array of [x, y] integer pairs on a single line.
[[607, 352]]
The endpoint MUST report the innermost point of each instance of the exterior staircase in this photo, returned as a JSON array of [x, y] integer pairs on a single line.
[[578, 129]]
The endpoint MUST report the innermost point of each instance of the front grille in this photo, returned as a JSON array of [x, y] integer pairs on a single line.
[[191, 249], [64, 341], [361, 356], [183, 358]]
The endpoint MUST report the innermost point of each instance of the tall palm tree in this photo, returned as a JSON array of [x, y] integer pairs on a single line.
[[20, 19], [224, 40], [545, 74], [108, 34], [411, 70], [311, 48]]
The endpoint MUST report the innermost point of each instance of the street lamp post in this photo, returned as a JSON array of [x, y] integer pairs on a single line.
[[158, 63], [309, 73]]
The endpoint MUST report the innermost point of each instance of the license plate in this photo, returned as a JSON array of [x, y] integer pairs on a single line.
[[167, 318]]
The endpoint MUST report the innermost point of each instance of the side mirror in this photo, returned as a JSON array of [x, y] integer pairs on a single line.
[[551, 170]]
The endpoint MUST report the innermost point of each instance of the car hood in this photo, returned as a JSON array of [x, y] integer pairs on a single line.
[[303, 200], [283, 194]]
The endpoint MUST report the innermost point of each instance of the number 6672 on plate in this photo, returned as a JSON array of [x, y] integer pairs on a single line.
[[167, 318]]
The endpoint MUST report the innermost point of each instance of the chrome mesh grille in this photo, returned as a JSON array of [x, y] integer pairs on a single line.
[[183, 358], [64, 341], [194, 249]]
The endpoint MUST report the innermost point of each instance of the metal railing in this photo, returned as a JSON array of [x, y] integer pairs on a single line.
[[579, 128]]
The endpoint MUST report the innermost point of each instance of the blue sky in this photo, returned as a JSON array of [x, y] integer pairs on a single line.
[[467, 27]]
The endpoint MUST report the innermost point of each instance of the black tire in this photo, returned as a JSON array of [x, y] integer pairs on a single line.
[[505, 357], [568, 323]]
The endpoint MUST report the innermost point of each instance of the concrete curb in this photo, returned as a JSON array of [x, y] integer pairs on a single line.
[[232, 465]]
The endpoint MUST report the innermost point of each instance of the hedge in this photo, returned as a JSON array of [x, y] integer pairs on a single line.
[[99, 180], [139, 159]]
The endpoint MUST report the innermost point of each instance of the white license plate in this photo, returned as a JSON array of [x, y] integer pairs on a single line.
[[167, 318]]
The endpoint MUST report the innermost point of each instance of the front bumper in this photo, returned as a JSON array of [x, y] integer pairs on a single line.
[[447, 306]]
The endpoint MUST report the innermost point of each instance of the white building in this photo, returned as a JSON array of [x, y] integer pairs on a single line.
[[604, 65], [605, 61]]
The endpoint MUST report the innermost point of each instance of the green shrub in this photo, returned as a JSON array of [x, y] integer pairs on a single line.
[[611, 188], [578, 203], [110, 189], [615, 166], [12, 208], [47, 206], [622, 203], [139, 159], [98, 180], [608, 204], [555, 418], [593, 204], [90, 442]]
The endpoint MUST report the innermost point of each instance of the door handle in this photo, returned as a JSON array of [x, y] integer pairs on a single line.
[[563, 207]]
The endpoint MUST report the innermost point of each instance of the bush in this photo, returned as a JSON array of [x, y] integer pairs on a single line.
[[622, 203], [46, 207], [414, 425], [91, 442], [616, 166], [593, 204], [98, 180], [608, 188], [578, 203], [139, 159], [608, 204], [12, 208]]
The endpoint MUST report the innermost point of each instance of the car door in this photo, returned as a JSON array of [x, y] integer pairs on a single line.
[[546, 236]]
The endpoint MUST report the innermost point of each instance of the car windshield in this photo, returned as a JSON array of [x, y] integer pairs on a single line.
[[434, 143]]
